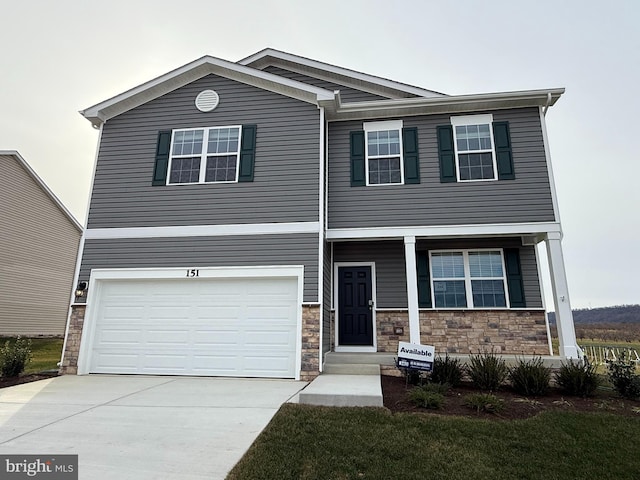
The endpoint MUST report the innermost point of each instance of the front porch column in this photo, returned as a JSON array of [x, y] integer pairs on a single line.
[[564, 316], [412, 288]]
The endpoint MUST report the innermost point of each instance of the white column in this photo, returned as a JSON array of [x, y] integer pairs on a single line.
[[412, 288], [564, 316]]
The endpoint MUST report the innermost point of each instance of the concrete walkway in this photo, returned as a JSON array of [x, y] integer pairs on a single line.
[[140, 427]]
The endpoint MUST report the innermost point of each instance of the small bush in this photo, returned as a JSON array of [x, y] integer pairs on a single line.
[[427, 397], [487, 371], [447, 370], [577, 378], [622, 376], [484, 402], [14, 357], [412, 376], [530, 378]]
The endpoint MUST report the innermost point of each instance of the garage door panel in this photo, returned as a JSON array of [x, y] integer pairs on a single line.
[[227, 327]]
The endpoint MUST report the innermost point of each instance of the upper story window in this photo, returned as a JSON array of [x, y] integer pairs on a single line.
[[204, 155], [383, 151], [468, 279], [474, 145]]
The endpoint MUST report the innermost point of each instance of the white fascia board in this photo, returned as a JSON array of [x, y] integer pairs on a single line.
[[203, 230], [442, 231], [32, 173], [192, 71], [449, 104], [260, 59]]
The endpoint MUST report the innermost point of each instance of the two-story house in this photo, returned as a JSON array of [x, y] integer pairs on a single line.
[[247, 218]]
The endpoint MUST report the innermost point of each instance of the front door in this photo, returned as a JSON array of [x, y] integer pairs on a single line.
[[355, 306]]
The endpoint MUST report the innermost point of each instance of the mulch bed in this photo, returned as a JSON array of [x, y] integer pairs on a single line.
[[11, 381], [395, 393]]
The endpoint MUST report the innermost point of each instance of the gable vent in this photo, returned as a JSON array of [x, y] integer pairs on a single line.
[[207, 100]]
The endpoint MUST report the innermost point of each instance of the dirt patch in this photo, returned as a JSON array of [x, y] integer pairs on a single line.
[[395, 393], [33, 377]]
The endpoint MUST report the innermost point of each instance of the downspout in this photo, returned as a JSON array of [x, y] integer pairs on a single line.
[[76, 273], [547, 105], [321, 260]]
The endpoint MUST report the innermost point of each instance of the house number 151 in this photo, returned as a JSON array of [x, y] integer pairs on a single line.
[[194, 272]]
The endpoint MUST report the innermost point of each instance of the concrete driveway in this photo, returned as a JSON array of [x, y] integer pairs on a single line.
[[141, 427]]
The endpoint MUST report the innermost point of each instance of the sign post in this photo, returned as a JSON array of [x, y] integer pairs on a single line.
[[415, 356]]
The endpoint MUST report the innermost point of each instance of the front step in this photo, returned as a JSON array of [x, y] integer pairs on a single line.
[[350, 369], [343, 391]]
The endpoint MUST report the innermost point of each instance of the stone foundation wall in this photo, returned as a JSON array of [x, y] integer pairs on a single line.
[[72, 348], [386, 324], [310, 367], [473, 331]]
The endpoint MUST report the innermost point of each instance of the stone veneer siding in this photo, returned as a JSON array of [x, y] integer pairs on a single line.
[[310, 342], [468, 331], [72, 348]]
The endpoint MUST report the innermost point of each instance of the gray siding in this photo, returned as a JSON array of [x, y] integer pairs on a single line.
[[525, 199], [326, 299], [38, 248], [285, 186], [391, 283], [347, 94], [207, 252]]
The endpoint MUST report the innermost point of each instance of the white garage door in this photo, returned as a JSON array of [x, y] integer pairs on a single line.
[[222, 327]]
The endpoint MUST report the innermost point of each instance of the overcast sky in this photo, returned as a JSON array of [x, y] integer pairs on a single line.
[[63, 56]]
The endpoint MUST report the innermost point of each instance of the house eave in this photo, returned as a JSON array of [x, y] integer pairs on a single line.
[[103, 111], [451, 104]]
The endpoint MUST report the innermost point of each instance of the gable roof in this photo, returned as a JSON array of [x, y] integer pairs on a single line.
[[21, 161], [343, 76], [192, 71]]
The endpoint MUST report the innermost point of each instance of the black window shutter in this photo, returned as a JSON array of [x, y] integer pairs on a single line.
[[504, 158], [514, 278], [410, 151], [162, 158], [424, 281], [357, 159], [446, 154], [247, 153]]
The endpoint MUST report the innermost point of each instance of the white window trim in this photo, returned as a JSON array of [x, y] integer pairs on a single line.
[[467, 278], [203, 154], [461, 120], [374, 127]]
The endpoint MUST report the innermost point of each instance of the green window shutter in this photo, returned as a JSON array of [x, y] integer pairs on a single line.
[[446, 154], [514, 278], [424, 281], [410, 152], [357, 159], [504, 157], [162, 158], [247, 153]]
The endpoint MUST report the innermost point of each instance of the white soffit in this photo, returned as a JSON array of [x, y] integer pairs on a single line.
[[190, 72]]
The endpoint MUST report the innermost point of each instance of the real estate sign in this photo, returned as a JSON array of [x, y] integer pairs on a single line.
[[415, 356]]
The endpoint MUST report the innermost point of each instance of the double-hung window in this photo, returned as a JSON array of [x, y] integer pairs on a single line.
[[383, 153], [474, 146], [204, 155], [468, 279]]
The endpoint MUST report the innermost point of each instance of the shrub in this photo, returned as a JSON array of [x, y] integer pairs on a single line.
[[531, 377], [484, 402], [14, 357], [577, 378], [487, 371], [428, 396], [412, 376], [447, 370], [622, 376]]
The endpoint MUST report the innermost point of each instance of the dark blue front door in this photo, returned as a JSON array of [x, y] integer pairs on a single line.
[[355, 306]]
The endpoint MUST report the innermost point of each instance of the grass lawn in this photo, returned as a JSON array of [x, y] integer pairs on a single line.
[[309, 442], [46, 354]]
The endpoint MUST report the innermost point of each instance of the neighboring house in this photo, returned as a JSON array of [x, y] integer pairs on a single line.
[[247, 218], [38, 246]]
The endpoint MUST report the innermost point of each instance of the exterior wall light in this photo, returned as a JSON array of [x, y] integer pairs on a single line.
[[81, 289]]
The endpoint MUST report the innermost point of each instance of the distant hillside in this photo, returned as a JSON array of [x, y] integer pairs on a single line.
[[617, 314]]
